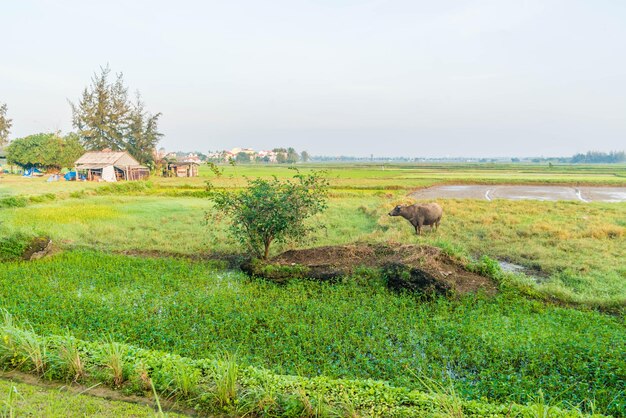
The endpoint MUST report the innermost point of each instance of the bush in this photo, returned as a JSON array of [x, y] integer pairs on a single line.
[[126, 187], [13, 202], [272, 210], [276, 272], [487, 267], [14, 246], [42, 198]]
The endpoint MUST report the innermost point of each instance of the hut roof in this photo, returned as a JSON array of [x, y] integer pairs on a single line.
[[181, 163], [99, 159]]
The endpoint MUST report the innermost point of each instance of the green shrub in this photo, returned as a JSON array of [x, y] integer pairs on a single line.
[[487, 267], [125, 187], [13, 202], [269, 211], [42, 198], [12, 247], [276, 272], [79, 194]]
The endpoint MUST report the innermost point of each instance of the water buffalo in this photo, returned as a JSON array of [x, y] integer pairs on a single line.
[[420, 215]]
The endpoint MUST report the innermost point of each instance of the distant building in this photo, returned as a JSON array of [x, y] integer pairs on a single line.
[[110, 166], [181, 169], [267, 156], [191, 158], [264, 156]]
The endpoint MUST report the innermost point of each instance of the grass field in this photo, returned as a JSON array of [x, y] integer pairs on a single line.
[[506, 348], [19, 399], [384, 176]]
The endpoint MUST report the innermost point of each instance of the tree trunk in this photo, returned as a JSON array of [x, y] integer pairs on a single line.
[[268, 242]]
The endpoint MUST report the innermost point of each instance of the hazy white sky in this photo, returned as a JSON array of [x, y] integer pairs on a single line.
[[353, 77]]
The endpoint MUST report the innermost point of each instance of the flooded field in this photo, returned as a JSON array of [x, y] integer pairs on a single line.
[[551, 193]]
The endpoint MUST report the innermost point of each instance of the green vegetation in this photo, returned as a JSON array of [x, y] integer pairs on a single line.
[[575, 249], [268, 211], [48, 151], [600, 157], [27, 400], [104, 117], [13, 246], [504, 349], [220, 385], [475, 350]]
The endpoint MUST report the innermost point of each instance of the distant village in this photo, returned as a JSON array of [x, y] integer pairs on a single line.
[[238, 155]]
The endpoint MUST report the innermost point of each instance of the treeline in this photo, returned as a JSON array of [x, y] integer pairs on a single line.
[[596, 157]]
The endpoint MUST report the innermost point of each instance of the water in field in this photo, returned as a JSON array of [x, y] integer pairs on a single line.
[[516, 268], [511, 192]]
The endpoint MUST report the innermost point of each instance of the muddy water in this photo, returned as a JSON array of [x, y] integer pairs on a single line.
[[543, 193], [516, 268]]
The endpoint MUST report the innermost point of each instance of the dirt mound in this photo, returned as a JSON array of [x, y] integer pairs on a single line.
[[39, 247], [412, 267]]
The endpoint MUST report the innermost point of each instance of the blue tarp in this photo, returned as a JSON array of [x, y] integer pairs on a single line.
[[31, 172], [71, 176]]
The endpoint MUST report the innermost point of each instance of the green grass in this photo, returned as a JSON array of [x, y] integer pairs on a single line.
[[503, 349], [371, 176], [221, 386], [26, 400], [577, 248]]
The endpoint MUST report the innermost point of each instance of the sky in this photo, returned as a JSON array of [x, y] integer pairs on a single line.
[[333, 77]]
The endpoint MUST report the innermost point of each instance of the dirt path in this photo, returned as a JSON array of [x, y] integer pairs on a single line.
[[510, 192]]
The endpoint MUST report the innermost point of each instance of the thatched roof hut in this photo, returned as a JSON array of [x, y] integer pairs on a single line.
[[110, 166]]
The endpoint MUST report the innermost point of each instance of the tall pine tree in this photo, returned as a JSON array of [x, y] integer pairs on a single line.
[[105, 118], [143, 133]]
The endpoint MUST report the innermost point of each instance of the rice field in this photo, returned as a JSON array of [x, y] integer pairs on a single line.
[[130, 263]]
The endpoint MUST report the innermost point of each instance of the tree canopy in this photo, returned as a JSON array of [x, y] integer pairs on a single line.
[[47, 151], [600, 157], [292, 156], [143, 133], [5, 125], [104, 117]]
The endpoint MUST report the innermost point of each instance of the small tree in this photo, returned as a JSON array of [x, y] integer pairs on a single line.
[[292, 156], [281, 155], [242, 157], [270, 211]]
